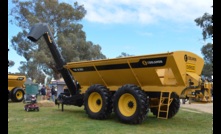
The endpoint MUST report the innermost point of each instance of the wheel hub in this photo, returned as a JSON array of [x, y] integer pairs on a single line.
[[130, 104], [98, 102], [95, 102], [127, 104]]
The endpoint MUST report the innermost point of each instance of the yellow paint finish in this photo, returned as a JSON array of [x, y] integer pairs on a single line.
[[173, 76], [127, 105], [15, 81], [95, 102]]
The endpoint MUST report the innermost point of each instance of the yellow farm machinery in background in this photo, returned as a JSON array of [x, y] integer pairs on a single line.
[[16, 87], [205, 95]]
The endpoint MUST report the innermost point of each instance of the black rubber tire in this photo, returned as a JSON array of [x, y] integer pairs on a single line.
[[17, 95], [8, 94], [133, 112], [174, 106], [97, 102], [154, 111]]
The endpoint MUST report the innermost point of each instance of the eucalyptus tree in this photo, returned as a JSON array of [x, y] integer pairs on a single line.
[[206, 23], [64, 22], [11, 63], [123, 54]]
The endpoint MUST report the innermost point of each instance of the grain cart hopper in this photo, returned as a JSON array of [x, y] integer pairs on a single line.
[[129, 86], [16, 87]]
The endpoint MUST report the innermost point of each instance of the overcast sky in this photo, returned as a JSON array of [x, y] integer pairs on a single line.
[[137, 27]]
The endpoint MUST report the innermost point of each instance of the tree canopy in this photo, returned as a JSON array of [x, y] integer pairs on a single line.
[[206, 23], [10, 62], [123, 54], [63, 20]]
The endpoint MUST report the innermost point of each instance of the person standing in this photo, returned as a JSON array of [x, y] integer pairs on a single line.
[[48, 94], [43, 92], [56, 91], [53, 93]]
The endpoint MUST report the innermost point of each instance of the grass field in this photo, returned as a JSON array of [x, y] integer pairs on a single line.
[[74, 120]]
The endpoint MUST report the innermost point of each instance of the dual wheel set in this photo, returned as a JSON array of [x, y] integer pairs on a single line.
[[129, 103]]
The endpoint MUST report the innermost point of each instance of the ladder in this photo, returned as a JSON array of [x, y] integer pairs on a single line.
[[164, 104]]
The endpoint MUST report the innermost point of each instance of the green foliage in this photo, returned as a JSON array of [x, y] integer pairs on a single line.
[[51, 120], [123, 54], [207, 70], [207, 51], [11, 63], [63, 20], [206, 23], [31, 70]]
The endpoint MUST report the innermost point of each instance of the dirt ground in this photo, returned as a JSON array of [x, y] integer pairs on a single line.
[[199, 106]]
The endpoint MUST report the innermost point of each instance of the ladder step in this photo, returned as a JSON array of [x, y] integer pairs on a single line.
[[162, 117], [165, 97], [164, 101], [163, 111], [163, 104]]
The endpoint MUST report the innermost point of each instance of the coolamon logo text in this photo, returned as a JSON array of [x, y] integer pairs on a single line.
[[145, 63], [189, 58]]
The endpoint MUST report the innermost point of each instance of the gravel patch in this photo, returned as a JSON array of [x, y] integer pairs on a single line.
[[204, 107]]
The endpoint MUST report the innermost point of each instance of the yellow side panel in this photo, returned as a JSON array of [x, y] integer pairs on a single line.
[[150, 72], [15, 81], [189, 62]]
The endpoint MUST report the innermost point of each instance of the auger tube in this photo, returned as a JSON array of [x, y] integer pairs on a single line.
[[42, 29]]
